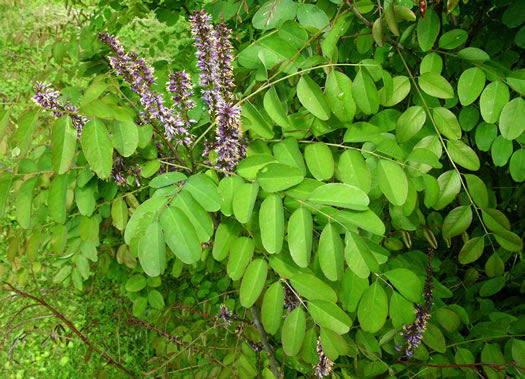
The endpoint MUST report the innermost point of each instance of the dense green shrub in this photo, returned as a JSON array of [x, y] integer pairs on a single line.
[[336, 187]]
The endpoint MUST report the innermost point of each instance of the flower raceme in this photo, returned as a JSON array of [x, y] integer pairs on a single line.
[[140, 76], [216, 82]]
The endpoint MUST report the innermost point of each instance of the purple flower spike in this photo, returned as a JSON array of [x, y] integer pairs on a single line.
[[214, 51], [140, 76], [47, 98], [413, 333], [182, 89], [325, 365]]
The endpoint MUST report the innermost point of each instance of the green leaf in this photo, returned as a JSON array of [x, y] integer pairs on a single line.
[[366, 220], [362, 132], [410, 123], [392, 181], [313, 288], [155, 300], [518, 350], [227, 188], [277, 177], [319, 160], [516, 167], [125, 137], [204, 191], [478, 190], [511, 119], [272, 308], [473, 54], [95, 89], [4, 121], [274, 107], [312, 17], [119, 213], [253, 282], [199, 218], [340, 195], [365, 93], [355, 252], [312, 98], [407, 283], [24, 201], [339, 96], [62, 274], [241, 253], [463, 155], [226, 234], [136, 283], [167, 179], [353, 170], [434, 339], [333, 344], [97, 148], [470, 84], [352, 287], [243, 201], [330, 252], [63, 142], [331, 38], [501, 150], [144, 212], [152, 250], [452, 39], [24, 132], [300, 230], [328, 315], [6, 178], [435, 85], [457, 221], [401, 89], [447, 123], [257, 123], [464, 356], [493, 99], [509, 240], [449, 187], [180, 235], [271, 14], [271, 222], [471, 250], [401, 310], [139, 306], [373, 308], [431, 62], [485, 135], [293, 331], [56, 200], [287, 152], [428, 30], [491, 353]]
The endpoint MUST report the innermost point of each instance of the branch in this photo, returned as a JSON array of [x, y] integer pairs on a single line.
[[265, 342], [72, 327]]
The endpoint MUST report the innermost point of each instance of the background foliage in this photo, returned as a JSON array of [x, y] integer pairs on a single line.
[[373, 134]]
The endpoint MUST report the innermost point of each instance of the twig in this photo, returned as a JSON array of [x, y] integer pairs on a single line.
[[72, 327], [265, 342]]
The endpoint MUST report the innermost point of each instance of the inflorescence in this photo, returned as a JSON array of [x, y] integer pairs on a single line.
[[216, 82], [46, 97], [325, 365], [140, 76], [413, 333]]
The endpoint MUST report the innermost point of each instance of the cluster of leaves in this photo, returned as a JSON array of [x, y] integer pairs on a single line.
[[374, 134]]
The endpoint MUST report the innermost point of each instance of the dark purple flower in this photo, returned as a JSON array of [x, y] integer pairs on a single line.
[[182, 89], [225, 314], [325, 365], [122, 169], [413, 333], [291, 301], [47, 98]]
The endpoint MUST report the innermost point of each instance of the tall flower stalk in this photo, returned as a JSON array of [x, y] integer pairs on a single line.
[[216, 81], [413, 333]]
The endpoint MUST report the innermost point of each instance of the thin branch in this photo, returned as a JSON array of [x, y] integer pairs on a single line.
[[265, 342], [72, 327]]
